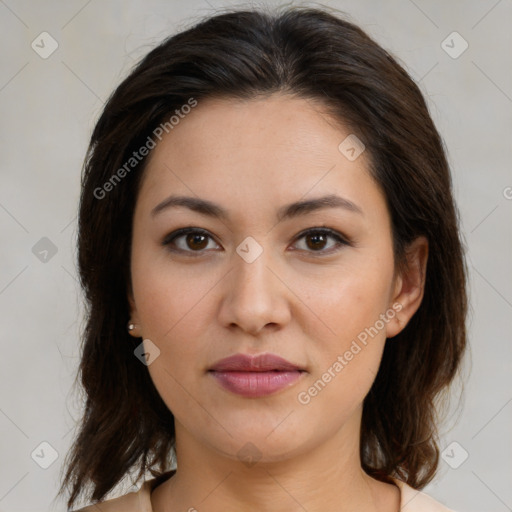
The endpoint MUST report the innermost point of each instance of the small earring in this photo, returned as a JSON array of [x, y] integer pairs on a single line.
[[131, 327]]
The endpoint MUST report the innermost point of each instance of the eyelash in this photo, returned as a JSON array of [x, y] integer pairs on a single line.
[[341, 240]]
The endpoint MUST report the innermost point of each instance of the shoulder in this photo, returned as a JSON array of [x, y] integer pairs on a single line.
[[413, 500], [135, 501]]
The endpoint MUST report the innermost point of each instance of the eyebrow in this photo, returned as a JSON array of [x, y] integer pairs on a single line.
[[288, 211]]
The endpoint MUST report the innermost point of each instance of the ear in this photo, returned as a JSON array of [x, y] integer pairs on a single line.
[[134, 315], [409, 286]]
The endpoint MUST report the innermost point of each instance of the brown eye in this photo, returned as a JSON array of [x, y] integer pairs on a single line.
[[196, 241], [317, 241], [188, 240]]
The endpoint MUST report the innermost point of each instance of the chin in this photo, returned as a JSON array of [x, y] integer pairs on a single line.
[[260, 446]]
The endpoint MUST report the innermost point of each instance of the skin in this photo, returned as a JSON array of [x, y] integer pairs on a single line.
[[252, 157]]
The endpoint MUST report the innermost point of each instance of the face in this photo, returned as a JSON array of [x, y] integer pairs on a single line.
[[314, 285]]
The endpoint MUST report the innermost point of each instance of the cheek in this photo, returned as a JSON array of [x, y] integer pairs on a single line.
[[174, 311], [353, 314], [168, 293], [344, 366], [171, 309], [347, 300]]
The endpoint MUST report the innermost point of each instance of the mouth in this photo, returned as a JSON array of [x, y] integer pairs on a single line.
[[255, 376]]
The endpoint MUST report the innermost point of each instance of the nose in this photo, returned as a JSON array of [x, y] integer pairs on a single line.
[[255, 296]]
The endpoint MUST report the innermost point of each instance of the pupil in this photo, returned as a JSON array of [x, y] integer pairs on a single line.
[[315, 244], [191, 240]]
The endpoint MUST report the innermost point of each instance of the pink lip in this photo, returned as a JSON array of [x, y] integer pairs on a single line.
[[254, 376]]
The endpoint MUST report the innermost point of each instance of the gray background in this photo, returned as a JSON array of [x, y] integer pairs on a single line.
[[48, 109]]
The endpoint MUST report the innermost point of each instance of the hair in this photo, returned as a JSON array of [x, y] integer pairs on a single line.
[[308, 53]]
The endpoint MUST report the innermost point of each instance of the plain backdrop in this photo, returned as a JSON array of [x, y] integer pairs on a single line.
[[49, 104]]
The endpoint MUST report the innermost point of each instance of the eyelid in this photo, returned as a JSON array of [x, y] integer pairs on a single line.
[[336, 235], [184, 231], [324, 229]]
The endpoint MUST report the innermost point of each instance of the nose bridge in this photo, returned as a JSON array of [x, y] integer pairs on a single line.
[[252, 279], [251, 272], [254, 296]]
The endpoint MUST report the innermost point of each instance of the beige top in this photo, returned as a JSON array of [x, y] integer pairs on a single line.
[[411, 500]]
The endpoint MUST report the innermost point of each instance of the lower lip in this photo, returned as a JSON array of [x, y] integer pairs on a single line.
[[254, 384]]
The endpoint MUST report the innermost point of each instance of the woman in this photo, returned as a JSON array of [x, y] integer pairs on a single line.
[[270, 252]]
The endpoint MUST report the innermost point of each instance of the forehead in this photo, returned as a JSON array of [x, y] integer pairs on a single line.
[[260, 151], [262, 129]]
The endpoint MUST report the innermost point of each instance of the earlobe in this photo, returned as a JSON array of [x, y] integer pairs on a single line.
[[409, 286], [133, 323]]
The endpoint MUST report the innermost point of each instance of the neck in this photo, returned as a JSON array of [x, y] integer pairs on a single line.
[[326, 478]]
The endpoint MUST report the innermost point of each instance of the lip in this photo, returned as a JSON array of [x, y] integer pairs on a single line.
[[258, 363], [255, 376]]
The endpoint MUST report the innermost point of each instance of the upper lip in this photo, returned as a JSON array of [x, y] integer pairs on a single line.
[[257, 363]]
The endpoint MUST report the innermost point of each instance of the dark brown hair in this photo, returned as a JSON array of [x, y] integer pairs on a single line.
[[313, 54]]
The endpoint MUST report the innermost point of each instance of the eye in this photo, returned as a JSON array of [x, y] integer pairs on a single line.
[[193, 240], [316, 240]]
